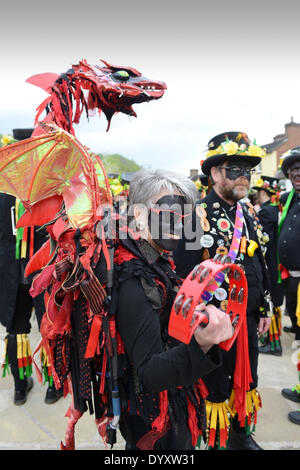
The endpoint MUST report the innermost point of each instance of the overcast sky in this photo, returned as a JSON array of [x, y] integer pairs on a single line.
[[228, 65]]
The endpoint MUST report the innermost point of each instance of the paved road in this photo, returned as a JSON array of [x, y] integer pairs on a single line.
[[37, 426]]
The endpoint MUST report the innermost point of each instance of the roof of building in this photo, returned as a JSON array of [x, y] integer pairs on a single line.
[[274, 145]]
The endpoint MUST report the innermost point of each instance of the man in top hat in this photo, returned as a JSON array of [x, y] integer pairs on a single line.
[[267, 189], [289, 257], [229, 163]]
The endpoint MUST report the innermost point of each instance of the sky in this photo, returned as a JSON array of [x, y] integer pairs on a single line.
[[228, 66]]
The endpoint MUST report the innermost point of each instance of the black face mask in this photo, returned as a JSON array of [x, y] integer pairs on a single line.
[[165, 221], [234, 172]]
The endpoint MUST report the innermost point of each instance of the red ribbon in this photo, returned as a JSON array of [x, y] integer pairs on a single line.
[[93, 338]]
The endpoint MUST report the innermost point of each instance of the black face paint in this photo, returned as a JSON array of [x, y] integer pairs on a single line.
[[165, 220]]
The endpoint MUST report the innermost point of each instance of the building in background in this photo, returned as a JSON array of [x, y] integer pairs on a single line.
[[269, 165]]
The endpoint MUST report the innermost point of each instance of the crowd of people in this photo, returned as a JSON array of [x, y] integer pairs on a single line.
[[172, 394]]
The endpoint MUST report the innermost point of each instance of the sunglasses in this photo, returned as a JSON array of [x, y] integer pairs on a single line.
[[177, 216]]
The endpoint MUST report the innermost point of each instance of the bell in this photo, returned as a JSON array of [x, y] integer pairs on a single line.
[[240, 296], [178, 303], [233, 293], [204, 274], [186, 307], [196, 271]]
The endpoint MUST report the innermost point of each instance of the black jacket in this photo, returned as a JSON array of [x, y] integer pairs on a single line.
[[289, 238], [161, 362], [218, 213], [11, 269], [268, 217]]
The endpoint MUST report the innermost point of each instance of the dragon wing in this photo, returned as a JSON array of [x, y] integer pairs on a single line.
[[55, 164]]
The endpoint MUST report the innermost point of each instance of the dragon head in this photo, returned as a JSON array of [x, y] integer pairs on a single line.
[[108, 88]]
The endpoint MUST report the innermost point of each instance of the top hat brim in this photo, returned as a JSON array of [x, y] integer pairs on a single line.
[[216, 160], [22, 134], [287, 162], [269, 190]]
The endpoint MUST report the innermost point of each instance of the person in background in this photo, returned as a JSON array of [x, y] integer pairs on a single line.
[[16, 247], [289, 257], [161, 387], [229, 163], [267, 191]]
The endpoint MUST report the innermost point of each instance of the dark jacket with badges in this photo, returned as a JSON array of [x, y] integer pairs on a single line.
[[289, 238], [11, 269], [268, 217], [216, 218]]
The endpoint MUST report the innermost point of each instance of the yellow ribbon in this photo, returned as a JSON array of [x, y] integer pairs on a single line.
[[217, 413], [298, 305]]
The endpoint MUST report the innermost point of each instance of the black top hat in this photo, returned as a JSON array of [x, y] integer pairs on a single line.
[[204, 180], [22, 134], [291, 156], [234, 147], [267, 183]]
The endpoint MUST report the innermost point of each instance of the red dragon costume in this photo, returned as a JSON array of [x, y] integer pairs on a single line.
[[64, 187]]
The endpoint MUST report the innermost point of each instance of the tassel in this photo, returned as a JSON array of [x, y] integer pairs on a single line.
[[253, 404], [298, 305], [24, 356], [46, 367], [218, 423], [5, 365], [193, 423]]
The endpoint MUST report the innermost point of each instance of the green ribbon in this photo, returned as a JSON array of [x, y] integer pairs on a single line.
[[19, 235]]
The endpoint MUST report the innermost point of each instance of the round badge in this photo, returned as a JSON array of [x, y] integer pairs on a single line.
[[206, 241], [220, 293], [220, 242], [223, 305], [222, 250], [223, 225]]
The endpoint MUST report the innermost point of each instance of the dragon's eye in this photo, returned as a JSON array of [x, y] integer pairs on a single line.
[[121, 75]]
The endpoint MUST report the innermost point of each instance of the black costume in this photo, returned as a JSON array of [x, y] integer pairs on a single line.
[[16, 302], [218, 224], [157, 363], [269, 216], [289, 256]]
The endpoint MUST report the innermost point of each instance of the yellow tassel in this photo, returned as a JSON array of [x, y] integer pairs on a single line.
[[298, 305], [231, 403], [16, 210], [5, 350], [23, 248], [253, 402], [19, 347], [271, 327], [217, 418], [24, 345], [279, 316]]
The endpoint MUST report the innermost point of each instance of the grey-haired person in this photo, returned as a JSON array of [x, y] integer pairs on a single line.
[[161, 384]]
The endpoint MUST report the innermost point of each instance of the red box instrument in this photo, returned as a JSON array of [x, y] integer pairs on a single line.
[[198, 288]]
